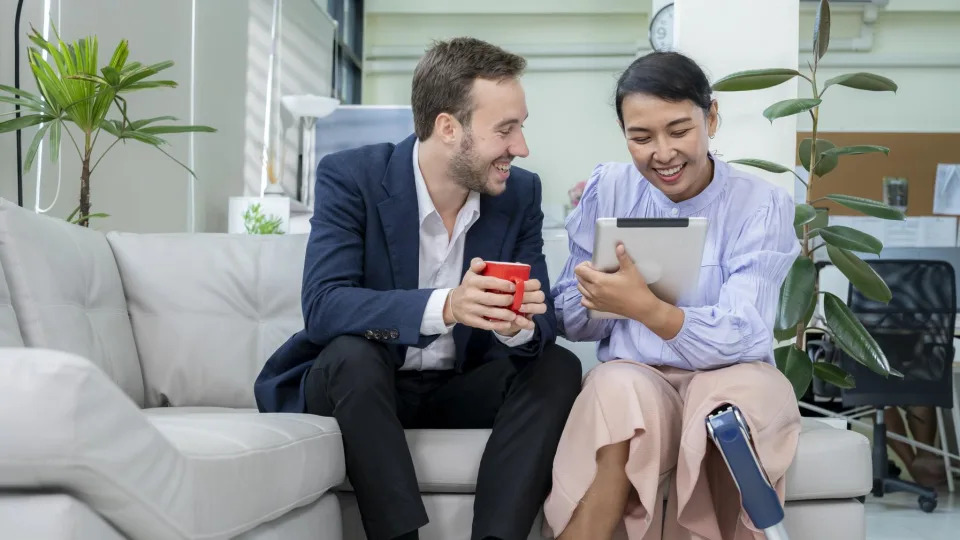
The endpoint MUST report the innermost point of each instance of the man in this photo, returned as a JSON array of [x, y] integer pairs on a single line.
[[395, 339]]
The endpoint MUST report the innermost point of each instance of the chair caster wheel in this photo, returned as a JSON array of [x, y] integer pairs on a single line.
[[927, 504]]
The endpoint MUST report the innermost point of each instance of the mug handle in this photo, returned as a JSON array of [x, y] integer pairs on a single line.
[[518, 294]]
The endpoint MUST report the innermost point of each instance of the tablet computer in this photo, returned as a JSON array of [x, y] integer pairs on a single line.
[[667, 251]]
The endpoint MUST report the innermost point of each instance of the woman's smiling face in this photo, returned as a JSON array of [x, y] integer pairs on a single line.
[[669, 142]]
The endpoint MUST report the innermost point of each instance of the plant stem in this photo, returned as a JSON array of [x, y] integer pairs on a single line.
[[122, 105], [95, 137], [103, 154], [85, 184], [807, 252], [75, 145], [802, 181]]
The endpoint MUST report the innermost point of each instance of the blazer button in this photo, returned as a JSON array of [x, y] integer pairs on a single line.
[[394, 334]]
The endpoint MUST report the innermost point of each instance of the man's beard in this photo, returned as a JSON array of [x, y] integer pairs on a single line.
[[467, 170]]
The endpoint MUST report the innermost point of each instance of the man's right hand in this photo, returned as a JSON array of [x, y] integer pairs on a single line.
[[472, 305]]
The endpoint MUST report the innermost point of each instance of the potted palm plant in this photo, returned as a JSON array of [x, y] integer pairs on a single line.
[[75, 91], [799, 293]]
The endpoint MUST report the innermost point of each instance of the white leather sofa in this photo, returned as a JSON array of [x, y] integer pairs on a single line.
[[126, 405]]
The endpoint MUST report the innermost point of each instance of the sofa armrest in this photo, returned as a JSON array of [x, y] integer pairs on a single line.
[[65, 426], [51, 516]]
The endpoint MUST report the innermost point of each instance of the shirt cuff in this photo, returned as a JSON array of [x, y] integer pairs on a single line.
[[432, 322], [522, 337]]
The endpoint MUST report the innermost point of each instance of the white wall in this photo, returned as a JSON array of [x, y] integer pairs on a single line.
[[143, 190], [701, 31], [917, 44], [220, 77], [303, 65], [8, 154], [130, 171], [576, 49]]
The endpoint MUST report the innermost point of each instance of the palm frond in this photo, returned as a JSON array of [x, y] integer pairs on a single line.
[[120, 54], [131, 67], [35, 145], [55, 135], [143, 137], [112, 127], [145, 122], [24, 103], [22, 93], [24, 122], [149, 84], [144, 72], [154, 130]]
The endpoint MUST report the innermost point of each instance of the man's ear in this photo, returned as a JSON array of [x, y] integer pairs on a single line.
[[446, 128]]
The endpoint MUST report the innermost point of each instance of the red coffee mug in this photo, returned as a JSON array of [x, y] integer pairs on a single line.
[[518, 273]]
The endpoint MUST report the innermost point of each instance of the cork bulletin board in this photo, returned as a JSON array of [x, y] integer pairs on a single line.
[[913, 156]]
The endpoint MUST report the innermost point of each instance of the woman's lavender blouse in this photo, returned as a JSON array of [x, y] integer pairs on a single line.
[[750, 247]]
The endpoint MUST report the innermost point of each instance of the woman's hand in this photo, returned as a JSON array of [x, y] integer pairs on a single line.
[[623, 292]]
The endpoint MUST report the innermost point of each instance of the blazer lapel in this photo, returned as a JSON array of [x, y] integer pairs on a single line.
[[400, 217], [484, 240]]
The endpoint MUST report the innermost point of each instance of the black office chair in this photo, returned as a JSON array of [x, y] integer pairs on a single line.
[[915, 331]]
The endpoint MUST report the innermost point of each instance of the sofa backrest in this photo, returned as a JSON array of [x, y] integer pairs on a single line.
[[9, 327], [208, 310], [66, 292]]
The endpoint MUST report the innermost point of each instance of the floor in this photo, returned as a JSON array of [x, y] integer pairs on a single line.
[[897, 516]]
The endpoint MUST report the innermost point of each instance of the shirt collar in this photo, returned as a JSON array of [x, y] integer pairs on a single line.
[[425, 204], [701, 200]]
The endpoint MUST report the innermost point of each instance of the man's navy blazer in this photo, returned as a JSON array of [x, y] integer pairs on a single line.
[[361, 271]]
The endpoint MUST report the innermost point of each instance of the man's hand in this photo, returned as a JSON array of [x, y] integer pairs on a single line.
[[471, 303], [484, 302], [534, 303], [623, 292]]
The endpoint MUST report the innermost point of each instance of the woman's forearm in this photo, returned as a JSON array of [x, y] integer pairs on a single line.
[[663, 319]]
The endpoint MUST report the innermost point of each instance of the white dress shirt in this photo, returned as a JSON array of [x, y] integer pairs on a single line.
[[441, 267]]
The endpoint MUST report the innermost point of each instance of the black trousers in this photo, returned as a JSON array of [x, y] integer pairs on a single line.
[[525, 401]]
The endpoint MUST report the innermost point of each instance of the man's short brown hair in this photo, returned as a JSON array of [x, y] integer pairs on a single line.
[[444, 77]]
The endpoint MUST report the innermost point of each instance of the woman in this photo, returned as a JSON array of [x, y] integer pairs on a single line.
[[640, 416]]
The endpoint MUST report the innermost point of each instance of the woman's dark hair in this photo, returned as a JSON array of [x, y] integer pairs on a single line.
[[669, 76]]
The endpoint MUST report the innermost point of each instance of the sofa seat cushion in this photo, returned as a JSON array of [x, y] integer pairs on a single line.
[[288, 457], [830, 462], [445, 460], [158, 474]]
